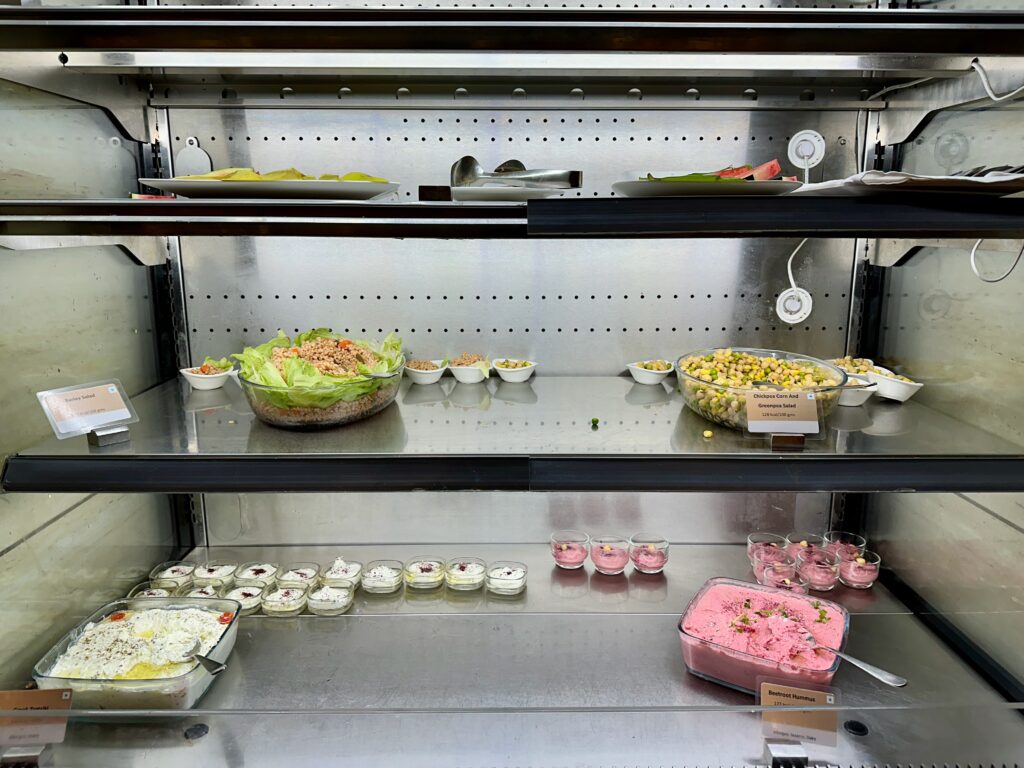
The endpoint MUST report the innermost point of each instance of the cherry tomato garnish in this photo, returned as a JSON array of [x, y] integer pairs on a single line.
[[226, 617], [117, 616], [344, 344]]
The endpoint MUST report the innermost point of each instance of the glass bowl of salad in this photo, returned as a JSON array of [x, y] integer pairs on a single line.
[[716, 382], [320, 379]]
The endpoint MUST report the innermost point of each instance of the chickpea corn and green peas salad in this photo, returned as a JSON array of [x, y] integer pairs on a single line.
[[862, 366], [726, 370], [512, 364], [859, 365], [655, 365]]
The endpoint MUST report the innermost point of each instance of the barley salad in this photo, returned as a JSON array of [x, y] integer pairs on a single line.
[[320, 378]]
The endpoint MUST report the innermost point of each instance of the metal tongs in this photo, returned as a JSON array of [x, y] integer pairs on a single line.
[[467, 172]]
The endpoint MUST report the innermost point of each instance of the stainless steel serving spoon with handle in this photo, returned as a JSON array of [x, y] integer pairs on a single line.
[[467, 172], [211, 666], [880, 674]]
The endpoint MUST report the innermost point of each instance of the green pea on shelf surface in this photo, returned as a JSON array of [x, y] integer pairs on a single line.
[[595, 423]]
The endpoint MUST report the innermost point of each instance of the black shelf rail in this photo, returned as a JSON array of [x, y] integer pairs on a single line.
[[836, 31], [888, 215], [892, 215], [311, 218], [325, 473]]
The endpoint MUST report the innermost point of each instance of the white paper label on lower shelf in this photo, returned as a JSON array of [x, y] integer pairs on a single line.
[[805, 725], [33, 731], [776, 412]]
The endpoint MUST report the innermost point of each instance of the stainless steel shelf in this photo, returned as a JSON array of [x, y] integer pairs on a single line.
[[517, 681], [499, 436], [894, 216], [198, 28]]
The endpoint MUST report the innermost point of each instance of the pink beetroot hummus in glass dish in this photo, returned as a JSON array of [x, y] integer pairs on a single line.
[[733, 633]]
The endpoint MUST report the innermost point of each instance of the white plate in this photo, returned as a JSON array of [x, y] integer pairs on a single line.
[[700, 188], [297, 189], [496, 193]]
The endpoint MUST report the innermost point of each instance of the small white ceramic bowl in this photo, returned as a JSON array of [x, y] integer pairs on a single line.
[[427, 377], [467, 374], [202, 381], [892, 388], [860, 395], [515, 375], [643, 376]]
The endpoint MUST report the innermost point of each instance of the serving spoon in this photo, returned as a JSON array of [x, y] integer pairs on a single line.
[[211, 666], [880, 674], [467, 172]]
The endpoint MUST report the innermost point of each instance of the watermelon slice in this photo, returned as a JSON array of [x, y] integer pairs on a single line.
[[790, 178], [768, 171], [742, 172]]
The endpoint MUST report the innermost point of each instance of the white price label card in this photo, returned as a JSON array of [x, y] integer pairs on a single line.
[[79, 409], [33, 731], [774, 411]]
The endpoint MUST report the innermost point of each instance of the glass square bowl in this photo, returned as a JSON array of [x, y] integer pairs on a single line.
[[180, 692], [740, 670], [726, 405]]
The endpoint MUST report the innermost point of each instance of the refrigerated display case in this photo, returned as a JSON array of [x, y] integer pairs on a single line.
[[580, 667]]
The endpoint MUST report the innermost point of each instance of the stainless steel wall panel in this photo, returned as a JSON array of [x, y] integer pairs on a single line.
[[71, 315], [244, 520], [90, 554], [52, 147], [961, 553]]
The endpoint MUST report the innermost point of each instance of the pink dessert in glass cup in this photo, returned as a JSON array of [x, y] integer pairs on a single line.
[[649, 553], [569, 548], [820, 568], [609, 554], [760, 541], [803, 541], [848, 546], [861, 572]]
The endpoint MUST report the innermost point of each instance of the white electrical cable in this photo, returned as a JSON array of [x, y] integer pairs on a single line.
[[899, 87], [976, 66], [789, 264], [974, 265]]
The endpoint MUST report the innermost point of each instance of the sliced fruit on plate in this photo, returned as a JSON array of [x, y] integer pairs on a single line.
[[219, 175], [741, 172], [768, 171], [287, 174], [352, 176], [765, 172], [699, 177]]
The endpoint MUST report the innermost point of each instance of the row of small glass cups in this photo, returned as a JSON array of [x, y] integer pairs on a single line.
[[609, 553], [378, 577], [463, 574], [273, 599], [812, 561]]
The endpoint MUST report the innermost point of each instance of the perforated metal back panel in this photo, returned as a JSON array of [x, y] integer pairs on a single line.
[[583, 307], [577, 306]]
